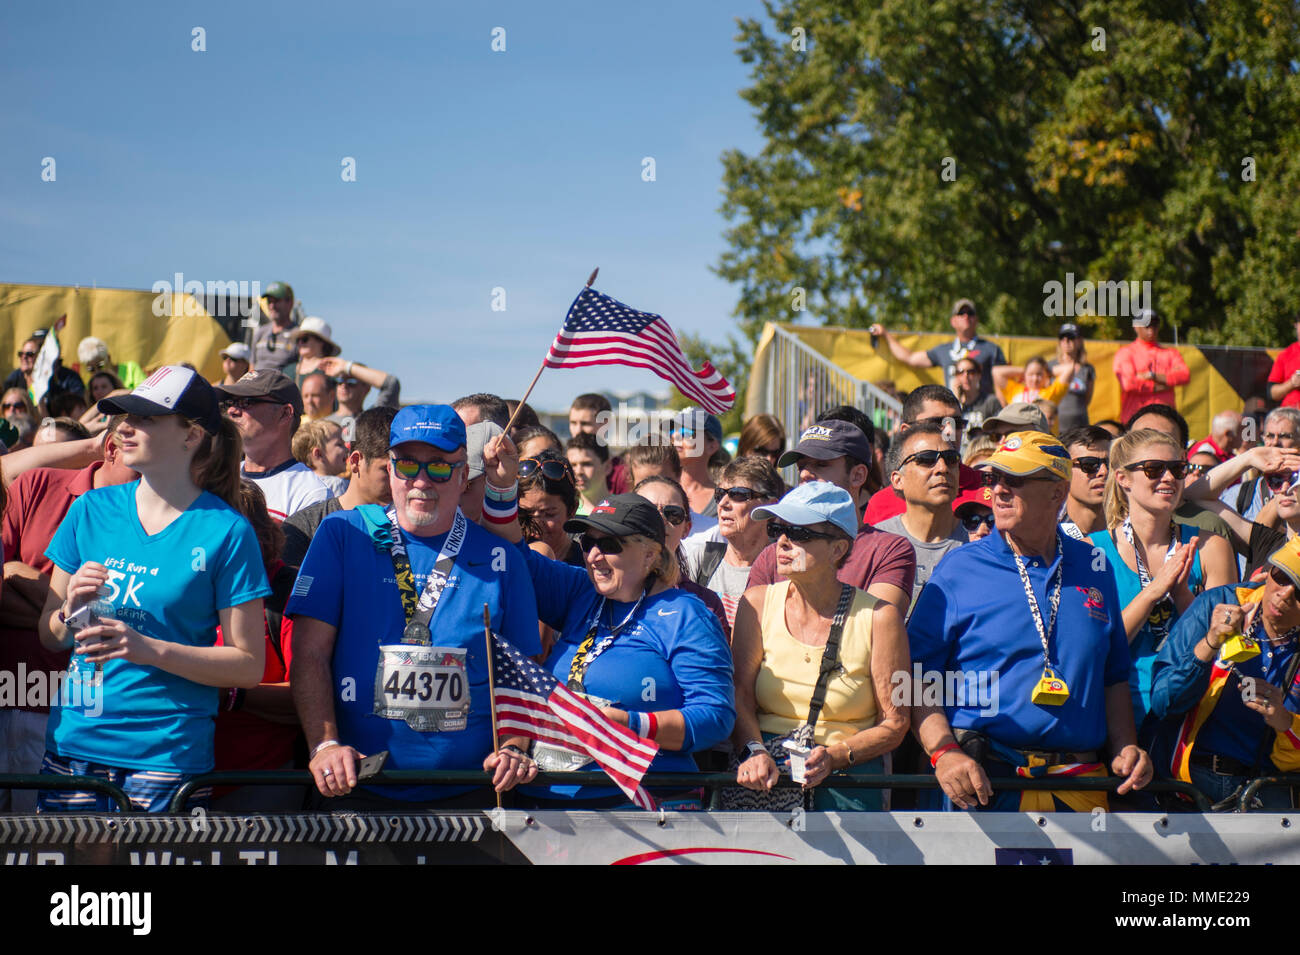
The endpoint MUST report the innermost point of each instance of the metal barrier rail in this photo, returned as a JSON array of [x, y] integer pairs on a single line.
[[1255, 785], [74, 783], [707, 781], [800, 382]]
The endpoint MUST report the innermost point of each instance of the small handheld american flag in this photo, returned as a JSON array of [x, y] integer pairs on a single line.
[[601, 331], [533, 704]]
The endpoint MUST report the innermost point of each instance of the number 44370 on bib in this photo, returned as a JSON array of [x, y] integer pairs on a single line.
[[425, 686]]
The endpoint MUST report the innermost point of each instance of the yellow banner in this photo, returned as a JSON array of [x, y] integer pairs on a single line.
[[124, 318], [1205, 395]]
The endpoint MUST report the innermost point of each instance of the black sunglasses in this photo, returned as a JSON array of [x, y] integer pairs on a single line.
[[607, 545], [1089, 465], [674, 514], [741, 495], [1155, 469], [796, 534], [930, 457], [551, 470], [1280, 577], [992, 478], [972, 522], [28, 354], [1199, 468]]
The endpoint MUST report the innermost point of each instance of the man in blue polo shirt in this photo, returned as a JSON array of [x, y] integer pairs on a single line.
[[1027, 617], [389, 650]]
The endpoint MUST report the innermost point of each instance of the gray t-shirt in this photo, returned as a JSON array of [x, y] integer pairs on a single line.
[[1072, 412], [729, 583], [301, 527], [928, 555]]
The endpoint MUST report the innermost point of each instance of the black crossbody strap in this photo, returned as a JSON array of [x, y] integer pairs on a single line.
[[830, 656]]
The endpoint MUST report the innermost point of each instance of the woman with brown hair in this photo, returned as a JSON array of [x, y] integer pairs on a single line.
[[762, 435], [144, 573]]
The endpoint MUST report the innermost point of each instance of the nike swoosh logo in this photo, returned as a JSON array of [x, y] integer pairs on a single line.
[[667, 613]]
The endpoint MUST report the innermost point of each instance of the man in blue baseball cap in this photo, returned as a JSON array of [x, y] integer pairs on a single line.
[[389, 650]]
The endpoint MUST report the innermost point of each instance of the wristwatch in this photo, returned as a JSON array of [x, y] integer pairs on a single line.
[[755, 748]]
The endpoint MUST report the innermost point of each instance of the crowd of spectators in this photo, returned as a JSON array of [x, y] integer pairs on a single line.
[[261, 572]]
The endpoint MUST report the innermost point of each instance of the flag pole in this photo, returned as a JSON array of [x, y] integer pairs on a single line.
[[492, 697], [509, 424]]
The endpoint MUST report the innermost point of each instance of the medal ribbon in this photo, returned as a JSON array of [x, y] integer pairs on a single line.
[[587, 653], [1160, 628], [420, 608], [1053, 600]]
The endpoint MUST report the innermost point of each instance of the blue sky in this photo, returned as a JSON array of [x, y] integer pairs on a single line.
[[475, 169]]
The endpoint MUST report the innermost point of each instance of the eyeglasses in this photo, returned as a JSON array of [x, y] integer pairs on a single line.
[[797, 535], [437, 471], [966, 371], [1199, 468], [770, 452], [243, 404], [992, 478], [28, 354], [1154, 469], [607, 545], [1089, 464], [551, 470], [973, 522], [674, 514], [14, 406], [930, 457], [741, 495], [350, 382]]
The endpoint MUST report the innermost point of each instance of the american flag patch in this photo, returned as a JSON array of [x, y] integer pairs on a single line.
[[302, 585]]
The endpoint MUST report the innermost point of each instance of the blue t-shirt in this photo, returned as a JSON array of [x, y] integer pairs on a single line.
[[671, 656], [1142, 648], [169, 586], [973, 617], [347, 581]]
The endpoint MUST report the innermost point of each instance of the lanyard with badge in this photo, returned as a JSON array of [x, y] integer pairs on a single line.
[[589, 650], [424, 685], [1050, 689], [1162, 613], [551, 758]]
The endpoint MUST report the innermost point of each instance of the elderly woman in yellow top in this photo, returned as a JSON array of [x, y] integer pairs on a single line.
[[829, 694]]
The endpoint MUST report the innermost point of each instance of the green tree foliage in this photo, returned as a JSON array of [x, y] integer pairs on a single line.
[[920, 152]]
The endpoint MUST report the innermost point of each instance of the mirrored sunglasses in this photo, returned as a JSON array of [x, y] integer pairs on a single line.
[[437, 471]]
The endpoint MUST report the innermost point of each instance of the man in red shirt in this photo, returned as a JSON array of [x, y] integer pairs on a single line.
[[1284, 379], [38, 501], [1147, 371]]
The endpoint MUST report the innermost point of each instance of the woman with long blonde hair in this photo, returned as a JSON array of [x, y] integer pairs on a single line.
[[1159, 565]]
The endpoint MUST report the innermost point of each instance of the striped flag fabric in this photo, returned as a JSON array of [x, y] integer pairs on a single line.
[[601, 331], [533, 704]]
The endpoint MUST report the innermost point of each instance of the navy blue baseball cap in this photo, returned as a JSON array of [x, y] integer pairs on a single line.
[[436, 425]]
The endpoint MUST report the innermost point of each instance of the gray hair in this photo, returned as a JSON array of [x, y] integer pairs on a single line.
[[1291, 414]]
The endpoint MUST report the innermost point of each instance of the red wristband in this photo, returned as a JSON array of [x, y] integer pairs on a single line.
[[938, 753]]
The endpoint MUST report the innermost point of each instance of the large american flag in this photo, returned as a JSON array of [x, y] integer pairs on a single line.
[[532, 703], [600, 331]]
